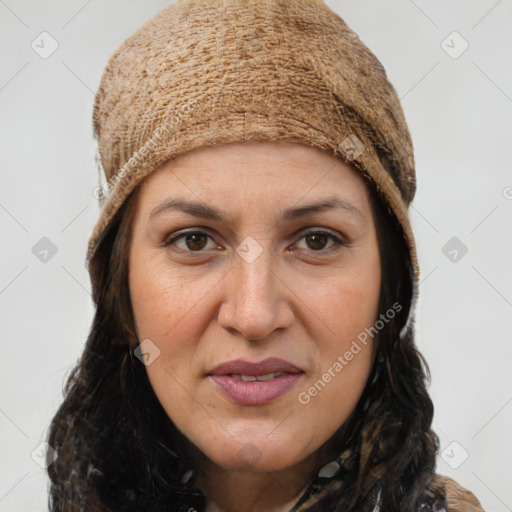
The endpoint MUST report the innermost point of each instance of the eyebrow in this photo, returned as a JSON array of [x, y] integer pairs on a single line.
[[208, 212]]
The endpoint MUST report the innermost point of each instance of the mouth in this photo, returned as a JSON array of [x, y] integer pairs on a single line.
[[248, 383], [269, 366], [259, 378]]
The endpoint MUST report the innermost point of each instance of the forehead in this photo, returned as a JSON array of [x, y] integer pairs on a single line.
[[263, 171]]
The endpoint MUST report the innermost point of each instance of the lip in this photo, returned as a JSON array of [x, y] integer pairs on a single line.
[[255, 392], [242, 367]]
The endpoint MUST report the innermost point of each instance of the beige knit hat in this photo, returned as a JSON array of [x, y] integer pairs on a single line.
[[217, 71]]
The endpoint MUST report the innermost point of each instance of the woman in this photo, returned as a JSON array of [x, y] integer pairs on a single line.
[[255, 274]]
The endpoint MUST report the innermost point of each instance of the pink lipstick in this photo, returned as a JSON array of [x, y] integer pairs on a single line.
[[248, 383]]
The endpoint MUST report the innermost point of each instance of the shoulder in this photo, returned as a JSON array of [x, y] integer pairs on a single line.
[[458, 498]]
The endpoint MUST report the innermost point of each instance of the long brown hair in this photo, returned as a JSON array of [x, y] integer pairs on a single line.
[[120, 452]]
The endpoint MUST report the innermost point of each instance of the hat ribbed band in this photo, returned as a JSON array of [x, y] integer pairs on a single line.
[[205, 73]]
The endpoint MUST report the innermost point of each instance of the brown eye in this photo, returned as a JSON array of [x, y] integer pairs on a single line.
[[193, 241], [196, 241], [317, 241]]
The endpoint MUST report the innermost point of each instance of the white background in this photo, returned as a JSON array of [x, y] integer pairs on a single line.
[[459, 112]]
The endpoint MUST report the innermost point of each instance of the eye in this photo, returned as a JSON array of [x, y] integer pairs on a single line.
[[197, 241], [316, 240], [191, 241]]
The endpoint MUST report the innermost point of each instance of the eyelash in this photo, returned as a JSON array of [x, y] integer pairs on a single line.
[[323, 232]]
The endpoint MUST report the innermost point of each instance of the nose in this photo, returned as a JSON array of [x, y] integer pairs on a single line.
[[257, 299]]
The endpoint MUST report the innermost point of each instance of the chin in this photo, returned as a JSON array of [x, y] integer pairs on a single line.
[[258, 456]]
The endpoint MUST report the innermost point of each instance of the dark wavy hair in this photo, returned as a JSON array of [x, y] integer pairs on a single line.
[[120, 452]]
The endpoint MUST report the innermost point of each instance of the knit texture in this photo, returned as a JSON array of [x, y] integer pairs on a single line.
[[459, 499], [210, 72]]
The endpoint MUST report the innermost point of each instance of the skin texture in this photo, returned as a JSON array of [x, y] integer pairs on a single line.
[[303, 299]]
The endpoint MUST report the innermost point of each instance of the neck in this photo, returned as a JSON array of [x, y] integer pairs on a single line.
[[246, 491]]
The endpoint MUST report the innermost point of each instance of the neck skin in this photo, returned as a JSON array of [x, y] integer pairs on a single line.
[[245, 491]]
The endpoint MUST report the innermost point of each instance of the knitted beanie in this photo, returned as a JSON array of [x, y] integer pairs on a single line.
[[217, 71]]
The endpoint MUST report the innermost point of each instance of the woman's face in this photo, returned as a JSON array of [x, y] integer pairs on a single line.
[[244, 252]]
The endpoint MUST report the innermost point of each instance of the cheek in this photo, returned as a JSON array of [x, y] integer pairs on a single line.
[[344, 360], [172, 309], [160, 299], [345, 315], [165, 310], [345, 303], [344, 310]]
